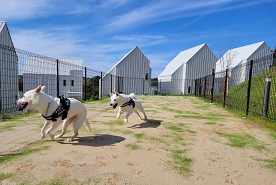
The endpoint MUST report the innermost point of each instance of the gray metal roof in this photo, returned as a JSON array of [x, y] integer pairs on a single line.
[[181, 58], [237, 55]]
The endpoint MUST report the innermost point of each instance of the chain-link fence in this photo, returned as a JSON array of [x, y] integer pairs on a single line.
[[250, 87], [21, 71]]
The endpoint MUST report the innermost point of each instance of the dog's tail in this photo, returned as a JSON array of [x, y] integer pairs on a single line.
[[133, 96], [87, 124]]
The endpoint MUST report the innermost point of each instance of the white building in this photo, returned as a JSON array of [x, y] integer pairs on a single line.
[[179, 75], [43, 71], [8, 71], [237, 62], [132, 74]]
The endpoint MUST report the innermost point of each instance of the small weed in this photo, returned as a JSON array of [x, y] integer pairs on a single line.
[[132, 146], [139, 135]]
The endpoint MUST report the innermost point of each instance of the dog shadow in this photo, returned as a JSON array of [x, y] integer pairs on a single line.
[[97, 140], [150, 123]]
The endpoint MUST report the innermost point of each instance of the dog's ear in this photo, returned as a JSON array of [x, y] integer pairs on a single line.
[[38, 89], [110, 94], [42, 88], [117, 94]]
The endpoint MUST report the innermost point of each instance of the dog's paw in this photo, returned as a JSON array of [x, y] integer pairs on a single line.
[[69, 140]]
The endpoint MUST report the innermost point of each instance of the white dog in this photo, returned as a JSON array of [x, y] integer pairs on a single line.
[[127, 103], [55, 110]]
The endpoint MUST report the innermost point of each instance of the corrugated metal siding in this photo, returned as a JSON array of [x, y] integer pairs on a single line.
[[131, 70], [201, 64], [8, 71]]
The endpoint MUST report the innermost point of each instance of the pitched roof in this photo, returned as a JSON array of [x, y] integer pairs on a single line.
[[237, 55], [181, 58], [121, 60]]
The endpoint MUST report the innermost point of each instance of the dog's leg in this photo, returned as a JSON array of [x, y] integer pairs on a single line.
[[80, 119], [53, 127], [136, 112], [128, 114], [119, 113], [143, 111], [65, 125], [43, 130]]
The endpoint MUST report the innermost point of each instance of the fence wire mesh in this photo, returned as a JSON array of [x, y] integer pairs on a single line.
[[21, 71]]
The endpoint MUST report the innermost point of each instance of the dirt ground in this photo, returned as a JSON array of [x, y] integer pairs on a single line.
[[184, 141]]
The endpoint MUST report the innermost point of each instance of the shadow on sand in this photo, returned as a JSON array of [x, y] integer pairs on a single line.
[[150, 123], [96, 140]]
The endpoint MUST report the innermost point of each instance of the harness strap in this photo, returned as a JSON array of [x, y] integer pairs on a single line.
[[129, 103], [62, 110]]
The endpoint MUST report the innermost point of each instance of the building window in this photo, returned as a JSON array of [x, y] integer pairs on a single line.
[[64, 82], [72, 82]]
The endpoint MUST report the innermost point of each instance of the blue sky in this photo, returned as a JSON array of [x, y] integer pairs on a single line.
[[101, 32]]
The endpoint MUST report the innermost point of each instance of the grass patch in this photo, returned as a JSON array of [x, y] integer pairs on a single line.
[[31, 148], [4, 176], [181, 163], [7, 127], [139, 136], [53, 182], [243, 141], [114, 123], [133, 146], [210, 123], [272, 135]]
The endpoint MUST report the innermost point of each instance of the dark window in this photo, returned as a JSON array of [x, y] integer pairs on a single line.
[[64, 82], [72, 82]]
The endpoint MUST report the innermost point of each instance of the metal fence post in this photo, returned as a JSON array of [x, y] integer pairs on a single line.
[[266, 96], [57, 78], [85, 84], [249, 87], [101, 85], [212, 87], [225, 88]]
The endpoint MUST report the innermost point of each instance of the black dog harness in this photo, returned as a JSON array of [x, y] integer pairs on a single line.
[[62, 110], [129, 103]]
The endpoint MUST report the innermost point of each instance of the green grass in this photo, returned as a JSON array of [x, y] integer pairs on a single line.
[[237, 95], [7, 127], [4, 176], [181, 163], [133, 146], [243, 141], [114, 123], [31, 148], [209, 116]]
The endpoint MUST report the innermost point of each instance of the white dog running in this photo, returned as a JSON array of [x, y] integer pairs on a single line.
[[55, 110], [127, 103]]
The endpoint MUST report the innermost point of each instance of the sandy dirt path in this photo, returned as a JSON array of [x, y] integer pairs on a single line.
[[184, 141]]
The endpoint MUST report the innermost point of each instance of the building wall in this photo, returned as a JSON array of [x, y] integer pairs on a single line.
[[9, 86], [182, 80], [129, 75], [240, 73]]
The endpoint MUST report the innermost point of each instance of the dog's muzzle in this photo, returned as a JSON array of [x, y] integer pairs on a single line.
[[22, 106], [114, 106]]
